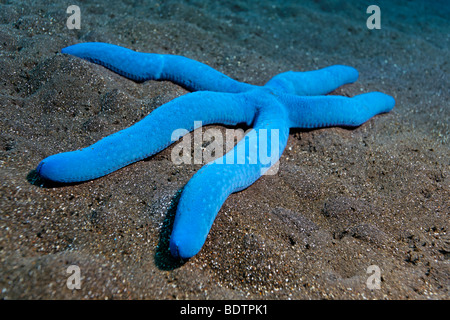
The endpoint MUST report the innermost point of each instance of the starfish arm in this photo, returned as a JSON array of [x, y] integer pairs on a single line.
[[147, 137], [138, 66], [315, 82], [326, 111], [205, 193]]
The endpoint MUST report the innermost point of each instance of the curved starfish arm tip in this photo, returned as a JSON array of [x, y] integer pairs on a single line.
[[205, 193]]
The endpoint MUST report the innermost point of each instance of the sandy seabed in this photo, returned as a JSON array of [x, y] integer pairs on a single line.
[[342, 200]]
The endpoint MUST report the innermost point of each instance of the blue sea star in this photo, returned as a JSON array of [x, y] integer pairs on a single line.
[[288, 100]]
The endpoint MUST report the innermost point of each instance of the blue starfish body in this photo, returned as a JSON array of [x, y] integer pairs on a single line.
[[288, 100]]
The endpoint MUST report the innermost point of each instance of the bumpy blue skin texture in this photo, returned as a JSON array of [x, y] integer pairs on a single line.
[[288, 100]]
